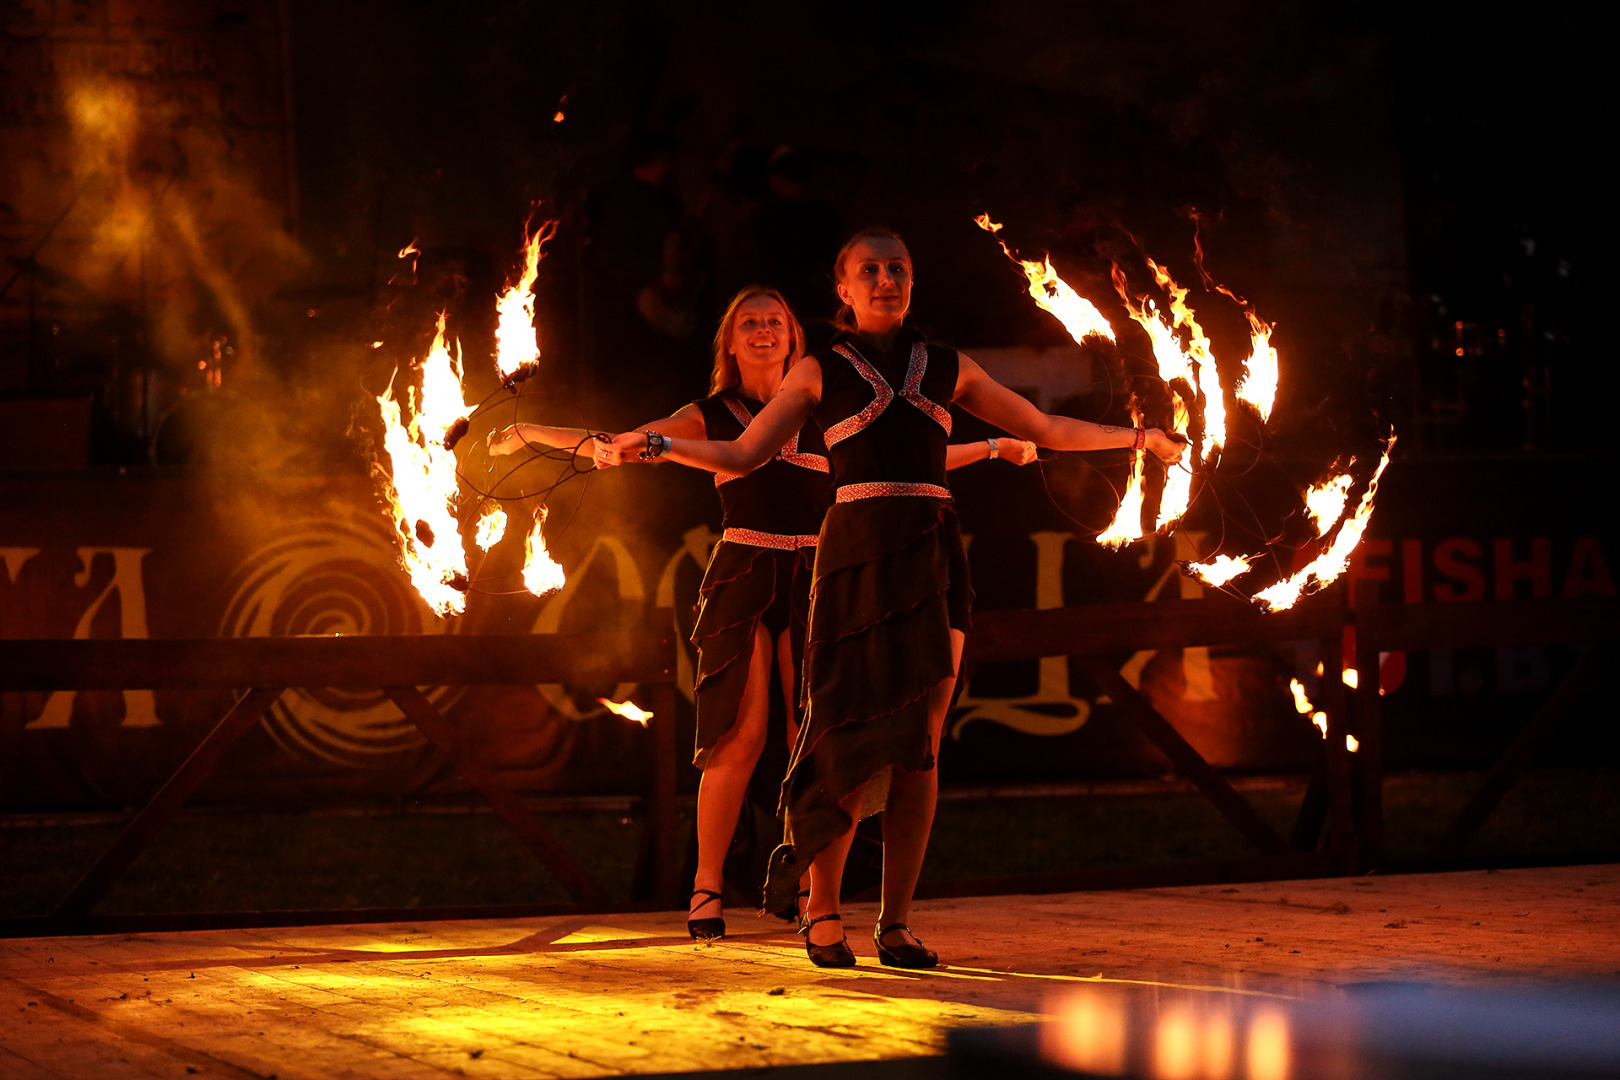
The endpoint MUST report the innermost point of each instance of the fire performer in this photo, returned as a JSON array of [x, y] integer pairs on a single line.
[[890, 596], [754, 599]]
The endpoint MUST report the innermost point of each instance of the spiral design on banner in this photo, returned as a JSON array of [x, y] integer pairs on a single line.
[[327, 577]]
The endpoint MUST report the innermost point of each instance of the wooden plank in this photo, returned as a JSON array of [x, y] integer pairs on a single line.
[[1186, 760], [1584, 678], [443, 735], [202, 762], [358, 662]]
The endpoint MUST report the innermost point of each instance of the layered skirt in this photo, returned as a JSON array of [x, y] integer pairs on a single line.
[[744, 586], [890, 584]]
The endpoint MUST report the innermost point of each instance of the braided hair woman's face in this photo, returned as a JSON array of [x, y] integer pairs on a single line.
[[875, 281]]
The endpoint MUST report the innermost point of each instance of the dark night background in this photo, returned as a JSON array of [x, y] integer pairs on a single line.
[[1407, 193]]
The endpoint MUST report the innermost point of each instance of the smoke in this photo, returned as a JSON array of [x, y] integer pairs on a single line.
[[170, 220]]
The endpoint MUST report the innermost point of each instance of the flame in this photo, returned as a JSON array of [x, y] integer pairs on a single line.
[[1177, 494], [516, 341], [1325, 502], [627, 709], [1351, 743], [1220, 570], [420, 481], [1127, 523], [1258, 386], [1351, 677], [541, 574], [1202, 362], [491, 527], [1328, 566], [1302, 704], [1320, 719], [1078, 315]]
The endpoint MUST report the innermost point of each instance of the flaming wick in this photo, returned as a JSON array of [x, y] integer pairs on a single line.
[[627, 709]]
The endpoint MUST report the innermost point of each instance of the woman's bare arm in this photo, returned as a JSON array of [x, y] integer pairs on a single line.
[[1017, 451], [987, 399], [786, 413], [688, 421]]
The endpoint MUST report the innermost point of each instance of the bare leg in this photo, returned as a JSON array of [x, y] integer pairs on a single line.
[[725, 777], [910, 813], [827, 876]]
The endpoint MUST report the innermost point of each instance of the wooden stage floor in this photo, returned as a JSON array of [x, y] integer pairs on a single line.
[[630, 995]]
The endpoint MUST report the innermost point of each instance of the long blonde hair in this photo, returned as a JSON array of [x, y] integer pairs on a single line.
[[845, 319], [727, 374]]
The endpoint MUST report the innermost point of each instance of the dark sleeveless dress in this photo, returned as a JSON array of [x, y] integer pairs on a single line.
[[760, 569], [891, 582]]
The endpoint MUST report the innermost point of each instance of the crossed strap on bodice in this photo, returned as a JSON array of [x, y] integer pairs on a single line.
[[789, 452], [883, 394]]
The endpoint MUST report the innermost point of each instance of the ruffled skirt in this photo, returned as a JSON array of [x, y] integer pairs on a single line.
[[891, 582], [744, 586]]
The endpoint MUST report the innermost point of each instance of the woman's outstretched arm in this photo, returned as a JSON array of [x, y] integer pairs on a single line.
[[786, 413], [1017, 451], [688, 422], [987, 399]]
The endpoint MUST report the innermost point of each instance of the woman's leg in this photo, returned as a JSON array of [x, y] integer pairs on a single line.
[[909, 815], [725, 776], [827, 876]]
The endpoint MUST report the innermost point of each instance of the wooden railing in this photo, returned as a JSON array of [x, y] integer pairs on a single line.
[[262, 668], [1345, 794]]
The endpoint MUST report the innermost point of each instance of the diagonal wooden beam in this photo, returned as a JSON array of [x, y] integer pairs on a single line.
[[1187, 761], [442, 734], [248, 710], [1584, 677]]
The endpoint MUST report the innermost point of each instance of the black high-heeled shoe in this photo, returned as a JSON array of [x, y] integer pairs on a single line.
[[836, 955], [706, 929], [906, 954]]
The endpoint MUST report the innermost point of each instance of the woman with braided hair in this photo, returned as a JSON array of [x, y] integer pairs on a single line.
[[890, 596], [754, 600]]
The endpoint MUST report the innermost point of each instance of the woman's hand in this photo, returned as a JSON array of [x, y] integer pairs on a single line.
[[623, 447], [1167, 448], [1017, 451], [505, 440]]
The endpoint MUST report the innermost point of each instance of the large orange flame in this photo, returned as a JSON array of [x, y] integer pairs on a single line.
[[541, 573], [1127, 523], [1328, 566], [1202, 363], [516, 341], [1078, 315], [420, 481]]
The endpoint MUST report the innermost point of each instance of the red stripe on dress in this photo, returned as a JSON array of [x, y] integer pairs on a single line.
[[912, 391], [851, 492], [779, 541], [882, 392]]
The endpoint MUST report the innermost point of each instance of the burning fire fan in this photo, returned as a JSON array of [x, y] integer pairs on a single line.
[[1186, 368], [434, 506]]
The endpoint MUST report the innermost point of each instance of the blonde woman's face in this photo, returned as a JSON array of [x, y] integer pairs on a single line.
[[876, 283], [760, 334]]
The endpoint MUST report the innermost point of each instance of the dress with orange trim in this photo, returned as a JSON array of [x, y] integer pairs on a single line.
[[760, 571]]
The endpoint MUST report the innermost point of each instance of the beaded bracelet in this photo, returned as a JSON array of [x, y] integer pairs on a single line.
[[656, 445]]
